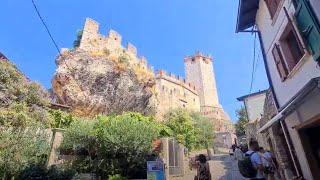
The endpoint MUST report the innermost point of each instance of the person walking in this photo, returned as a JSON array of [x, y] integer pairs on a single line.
[[256, 160], [238, 154], [269, 165], [203, 169]]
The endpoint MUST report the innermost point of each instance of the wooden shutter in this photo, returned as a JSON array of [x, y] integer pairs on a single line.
[[281, 66], [309, 27], [272, 6], [290, 22]]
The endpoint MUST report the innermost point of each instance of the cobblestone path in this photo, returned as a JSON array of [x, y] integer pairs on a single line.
[[222, 167]]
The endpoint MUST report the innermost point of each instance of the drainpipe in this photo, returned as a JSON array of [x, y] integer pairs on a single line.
[[267, 68]]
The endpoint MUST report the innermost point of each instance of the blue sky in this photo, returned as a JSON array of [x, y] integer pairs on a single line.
[[164, 31]]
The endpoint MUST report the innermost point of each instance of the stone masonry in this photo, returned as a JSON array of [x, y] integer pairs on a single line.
[[273, 138]]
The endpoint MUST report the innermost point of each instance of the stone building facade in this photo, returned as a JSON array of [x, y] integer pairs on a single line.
[[198, 92], [273, 139], [260, 108], [175, 92]]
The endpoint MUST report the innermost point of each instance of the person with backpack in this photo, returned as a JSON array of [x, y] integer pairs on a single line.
[[268, 163], [203, 169], [251, 165]]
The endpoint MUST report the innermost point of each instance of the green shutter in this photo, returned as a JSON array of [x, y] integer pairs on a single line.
[[309, 27]]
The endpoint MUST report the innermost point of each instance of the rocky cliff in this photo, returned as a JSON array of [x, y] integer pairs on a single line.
[[97, 82]]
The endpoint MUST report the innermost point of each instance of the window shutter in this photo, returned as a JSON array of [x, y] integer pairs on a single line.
[[272, 6], [281, 66], [300, 44], [309, 27]]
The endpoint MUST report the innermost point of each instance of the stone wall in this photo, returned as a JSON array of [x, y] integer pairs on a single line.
[[174, 92], [273, 138]]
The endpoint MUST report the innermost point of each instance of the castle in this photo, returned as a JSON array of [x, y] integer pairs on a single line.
[[197, 92]]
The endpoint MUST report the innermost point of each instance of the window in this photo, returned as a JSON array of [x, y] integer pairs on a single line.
[[272, 6], [291, 46], [308, 26], [281, 66], [288, 53]]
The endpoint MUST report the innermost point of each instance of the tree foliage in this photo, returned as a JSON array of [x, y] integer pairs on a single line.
[[242, 121], [191, 129], [204, 131]]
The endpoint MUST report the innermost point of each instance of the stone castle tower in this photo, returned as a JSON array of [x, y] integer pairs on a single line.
[[199, 71]]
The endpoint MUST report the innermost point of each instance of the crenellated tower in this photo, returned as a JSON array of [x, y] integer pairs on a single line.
[[199, 71]]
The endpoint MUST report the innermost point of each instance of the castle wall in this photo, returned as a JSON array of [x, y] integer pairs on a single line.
[[173, 93], [97, 43]]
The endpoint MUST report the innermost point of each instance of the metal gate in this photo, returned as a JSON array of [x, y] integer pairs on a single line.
[[175, 158]]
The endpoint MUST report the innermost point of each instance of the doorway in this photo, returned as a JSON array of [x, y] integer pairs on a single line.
[[311, 145]]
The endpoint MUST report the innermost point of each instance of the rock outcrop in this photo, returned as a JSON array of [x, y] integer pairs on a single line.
[[97, 83]]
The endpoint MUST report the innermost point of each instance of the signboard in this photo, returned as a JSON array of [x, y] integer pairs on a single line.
[[155, 170]]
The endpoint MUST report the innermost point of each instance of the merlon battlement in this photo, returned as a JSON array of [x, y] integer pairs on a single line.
[[176, 79], [92, 40], [132, 49], [198, 56]]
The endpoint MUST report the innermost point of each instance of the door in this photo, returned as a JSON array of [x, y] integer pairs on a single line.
[[311, 145]]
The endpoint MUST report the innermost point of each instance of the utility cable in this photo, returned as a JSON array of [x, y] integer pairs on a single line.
[[254, 62], [46, 27]]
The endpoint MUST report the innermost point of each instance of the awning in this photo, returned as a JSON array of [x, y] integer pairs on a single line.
[[293, 103], [247, 11]]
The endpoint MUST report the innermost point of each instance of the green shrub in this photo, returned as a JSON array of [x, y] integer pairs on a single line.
[[117, 144], [123, 59], [60, 119], [21, 147], [116, 177], [40, 172], [76, 43]]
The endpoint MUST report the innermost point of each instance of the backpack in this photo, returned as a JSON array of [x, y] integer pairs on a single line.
[[246, 167]]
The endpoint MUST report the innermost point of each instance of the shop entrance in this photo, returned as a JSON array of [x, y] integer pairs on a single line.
[[310, 140]]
